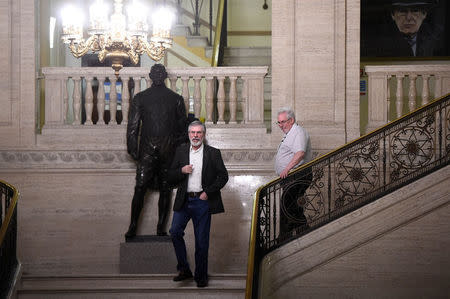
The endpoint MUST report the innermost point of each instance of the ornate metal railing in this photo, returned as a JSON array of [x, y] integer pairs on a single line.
[[8, 236], [349, 177]]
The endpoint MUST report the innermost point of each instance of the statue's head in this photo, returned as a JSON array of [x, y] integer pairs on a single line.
[[158, 74]]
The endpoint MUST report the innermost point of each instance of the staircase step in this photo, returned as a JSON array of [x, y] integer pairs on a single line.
[[130, 286], [197, 41], [247, 56], [181, 30]]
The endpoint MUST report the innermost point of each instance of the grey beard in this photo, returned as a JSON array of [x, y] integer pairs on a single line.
[[198, 143]]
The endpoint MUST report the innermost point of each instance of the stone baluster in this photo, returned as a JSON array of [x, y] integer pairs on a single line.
[[148, 82], [244, 101], [209, 99], [185, 92], [197, 97], [399, 96], [438, 86], [89, 105], [137, 85], [125, 100], [221, 100], [425, 89], [173, 83], [77, 100], [112, 100], [65, 99], [233, 99], [412, 92], [101, 100]]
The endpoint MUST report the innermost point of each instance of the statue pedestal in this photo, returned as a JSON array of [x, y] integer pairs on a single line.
[[148, 255]]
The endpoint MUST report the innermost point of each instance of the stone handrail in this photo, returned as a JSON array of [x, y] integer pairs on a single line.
[[67, 103], [419, 84]]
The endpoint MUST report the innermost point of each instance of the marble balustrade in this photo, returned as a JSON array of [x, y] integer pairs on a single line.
[[69, 96], [395, 90]]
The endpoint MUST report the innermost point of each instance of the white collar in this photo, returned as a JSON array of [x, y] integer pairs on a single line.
[[192, 150]]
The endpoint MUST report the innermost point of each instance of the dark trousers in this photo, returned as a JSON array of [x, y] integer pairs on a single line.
[[197, 210], [292, 212]]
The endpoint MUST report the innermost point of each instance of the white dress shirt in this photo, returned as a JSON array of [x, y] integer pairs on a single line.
[[195, 178]]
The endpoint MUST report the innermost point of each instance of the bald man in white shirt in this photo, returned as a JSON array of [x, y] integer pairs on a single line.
[[293, 151]]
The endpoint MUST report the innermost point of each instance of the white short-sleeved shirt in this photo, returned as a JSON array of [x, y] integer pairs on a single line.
[[297, 139]]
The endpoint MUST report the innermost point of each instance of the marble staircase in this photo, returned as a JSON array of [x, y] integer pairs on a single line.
[[124, 286]]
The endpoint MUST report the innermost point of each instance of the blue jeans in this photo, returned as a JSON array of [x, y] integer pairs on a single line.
[[197, 210]]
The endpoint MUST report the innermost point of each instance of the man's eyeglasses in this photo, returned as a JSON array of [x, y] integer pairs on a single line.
[[282, 122]]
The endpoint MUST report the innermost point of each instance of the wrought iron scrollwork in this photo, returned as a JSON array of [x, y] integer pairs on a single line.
[[357, 174], [412, 147]]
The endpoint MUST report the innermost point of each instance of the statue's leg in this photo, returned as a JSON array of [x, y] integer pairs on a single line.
[[138, 199], [165, 195], [165, 154]]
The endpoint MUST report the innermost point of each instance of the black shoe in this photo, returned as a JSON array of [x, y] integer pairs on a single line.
[[202, 283], [131, 231], [183, 275], [161, 233]]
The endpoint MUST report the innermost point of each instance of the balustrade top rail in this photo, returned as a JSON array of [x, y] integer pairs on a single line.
[[410, 68], [192, 72], [348, 178]]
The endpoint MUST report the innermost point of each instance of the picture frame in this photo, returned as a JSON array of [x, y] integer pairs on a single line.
[[382, 39]]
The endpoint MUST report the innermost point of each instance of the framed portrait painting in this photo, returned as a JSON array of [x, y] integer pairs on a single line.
[[405, 29]]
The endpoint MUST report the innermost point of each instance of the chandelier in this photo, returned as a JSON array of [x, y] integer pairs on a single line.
[[113, 39]]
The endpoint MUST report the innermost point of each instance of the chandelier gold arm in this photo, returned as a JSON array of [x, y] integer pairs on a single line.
[[102, 55], [155, 50], [81, 48], [134, 58]]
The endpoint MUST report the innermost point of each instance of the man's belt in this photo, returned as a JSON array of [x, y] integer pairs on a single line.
[[194, 194]]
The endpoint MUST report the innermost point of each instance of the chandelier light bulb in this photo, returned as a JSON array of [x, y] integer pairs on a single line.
[[137, 19], [162, 22], [72, 23], [163, 18], [98, 21]]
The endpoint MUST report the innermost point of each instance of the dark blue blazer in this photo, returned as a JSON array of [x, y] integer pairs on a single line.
[[214, 176]]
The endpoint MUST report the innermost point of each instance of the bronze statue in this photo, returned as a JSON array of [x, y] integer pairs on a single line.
[[157, 125]]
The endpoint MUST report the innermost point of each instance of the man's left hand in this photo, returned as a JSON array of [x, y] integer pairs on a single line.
[[284, 173], [204, 196]]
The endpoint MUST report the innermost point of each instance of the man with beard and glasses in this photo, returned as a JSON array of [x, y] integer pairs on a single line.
[[199, 172]]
